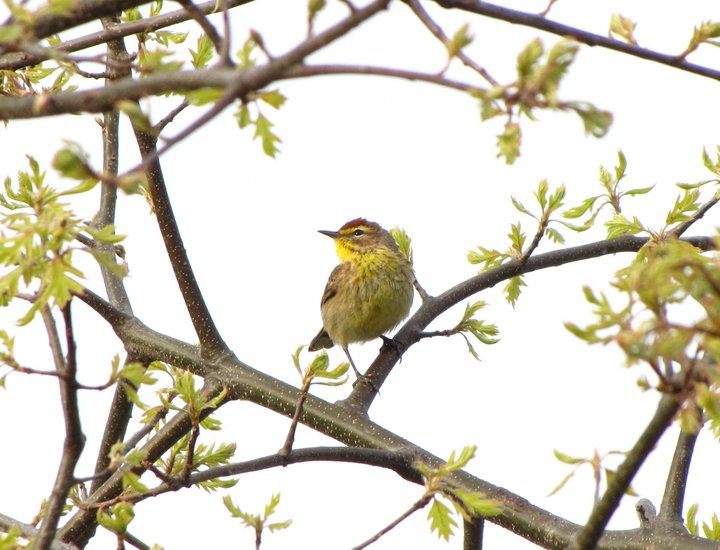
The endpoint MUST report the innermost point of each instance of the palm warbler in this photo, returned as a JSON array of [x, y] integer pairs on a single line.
[[368, 293]]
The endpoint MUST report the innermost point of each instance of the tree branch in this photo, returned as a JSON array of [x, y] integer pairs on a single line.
[[541, 23], [19, 60], [121, 406], [673, 499], [29, 531], [363, 395], [250, 79], [208, 334], [437, 31], [74, 438], [588, 537], [473, 534], [350, 428], [82, 11]]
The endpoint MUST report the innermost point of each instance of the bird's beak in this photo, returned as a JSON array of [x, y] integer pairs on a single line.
[[331, 234]]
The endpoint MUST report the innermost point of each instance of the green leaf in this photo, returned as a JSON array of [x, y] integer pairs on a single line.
[[527, 59], [404, 242], [273, 98], [263, 130], [72, 162], [623, 27], [554, 235], [619, 225], [595, 121], [122, 514], [517, 237], [691, 523], [204, 53], [512, 289], [638, 191], [577, 211], [460, 40], [491, 258], [521, 208], [508, 142], [441, 520], [567, 459], [475, 504]]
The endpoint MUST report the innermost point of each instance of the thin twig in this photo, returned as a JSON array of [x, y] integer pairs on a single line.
[[399, 461], [419, 505], [201, 19], [437, 31], [541, 23], [167, 119], [74, 438], [290, 439]]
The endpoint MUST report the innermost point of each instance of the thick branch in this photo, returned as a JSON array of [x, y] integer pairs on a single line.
[[348, 427], [541, 23]]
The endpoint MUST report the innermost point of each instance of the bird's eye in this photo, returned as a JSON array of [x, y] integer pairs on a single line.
[[358, 232]]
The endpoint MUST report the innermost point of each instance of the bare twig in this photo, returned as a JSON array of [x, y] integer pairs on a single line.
[[418, 505], [290, 439], [167, 119]]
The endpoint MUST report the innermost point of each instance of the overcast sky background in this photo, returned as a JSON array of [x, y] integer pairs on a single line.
[[402, 154]]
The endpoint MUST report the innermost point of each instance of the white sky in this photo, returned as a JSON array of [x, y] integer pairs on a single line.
[[411, 155]]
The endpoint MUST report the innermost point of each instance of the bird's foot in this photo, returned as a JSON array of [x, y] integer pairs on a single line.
[[363, 379], [397, 346]]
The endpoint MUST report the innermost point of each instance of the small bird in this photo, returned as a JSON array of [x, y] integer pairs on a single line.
[[369, 293]]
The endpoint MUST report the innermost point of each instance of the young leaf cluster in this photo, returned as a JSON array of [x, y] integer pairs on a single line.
[[669, 321], [318, 371], [485, 333], [257, 522], [705, 33], [709, 530], [549, 203], [539, 74], [38, 235], [404, 242], [263, 127], [623, 27], [467, 505]]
